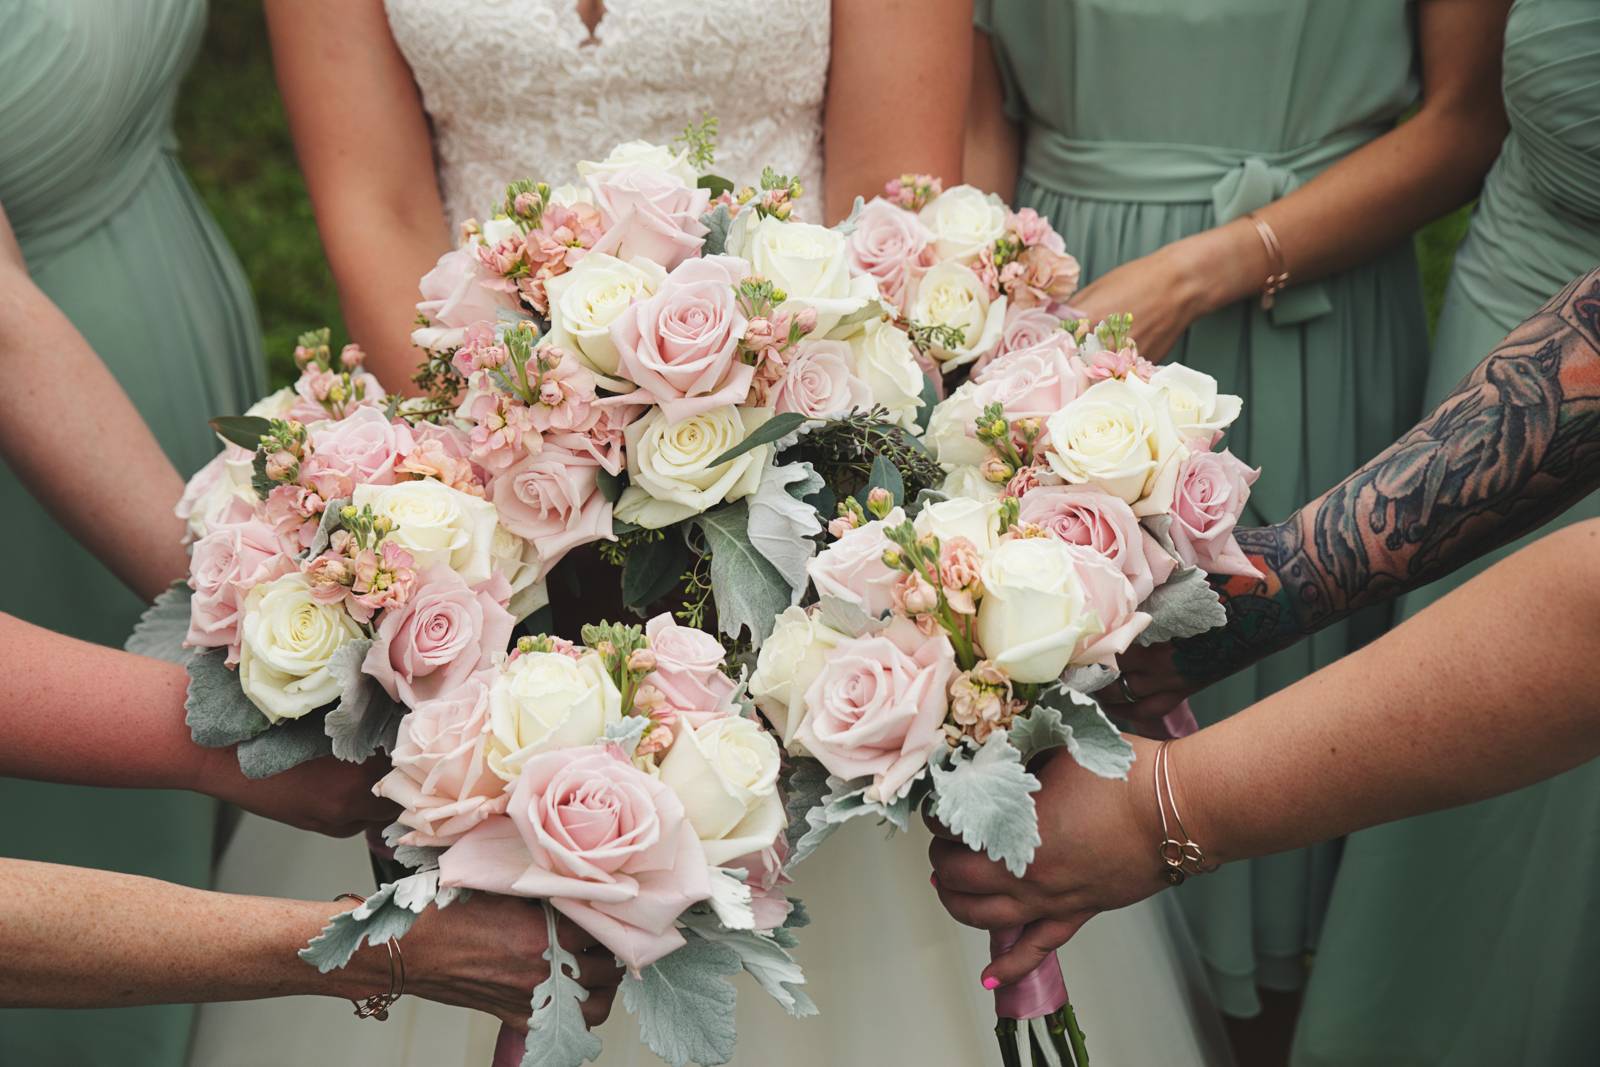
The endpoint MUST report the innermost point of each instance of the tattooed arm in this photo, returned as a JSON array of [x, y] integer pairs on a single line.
[[1516, 444]]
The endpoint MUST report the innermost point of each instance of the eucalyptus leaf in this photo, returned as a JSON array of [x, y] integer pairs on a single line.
[[884, 475], [366, 718], [160, 631], [716, 184], [216, 710], [930, 398], [287, 745], [987, 798], [652, 570], [685, 1003], [245, 431], [1184, 605], [782, 526], [748, 591], [718, 222], [773, 429], [610, 485], [557, 1034]]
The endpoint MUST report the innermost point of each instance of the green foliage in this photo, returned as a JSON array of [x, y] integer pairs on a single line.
[[987, 798], [777, 427], [844, 451], [651, 568], [557, 1034], [684, 1003], [216, 710], [246, 431], [748, 591], [160, 631]]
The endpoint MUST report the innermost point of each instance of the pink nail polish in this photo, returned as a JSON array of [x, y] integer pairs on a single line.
[[933, 880], [991, 983]]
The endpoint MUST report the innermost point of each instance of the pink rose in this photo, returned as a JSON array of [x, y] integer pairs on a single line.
[[1110, 596], [819, 381], [225, 565], [359, 450], [605, 843], [446, 632], [1212, 490], [765, 879], [688, 672], [878, 705], [552, 499], [1084, 515], [680, 346], [649, 214], [1034, 382], [1033, 228], [853, 570], [1024, 327], [457, 293], [893, 246], [440, 777]]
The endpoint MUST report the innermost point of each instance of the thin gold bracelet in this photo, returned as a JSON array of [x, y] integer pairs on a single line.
[[1180, 858], [377, 1005], [1278, 267]]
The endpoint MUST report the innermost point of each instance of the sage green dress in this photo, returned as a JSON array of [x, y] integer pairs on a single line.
[[1471, 936], [113, 233], [1149, 120]]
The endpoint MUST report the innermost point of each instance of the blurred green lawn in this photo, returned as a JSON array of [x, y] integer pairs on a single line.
[[237, 147]]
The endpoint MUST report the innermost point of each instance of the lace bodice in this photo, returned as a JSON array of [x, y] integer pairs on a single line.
[[519, 89]]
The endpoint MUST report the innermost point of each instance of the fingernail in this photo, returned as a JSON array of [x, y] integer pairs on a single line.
[[991, 983], [933, 880]]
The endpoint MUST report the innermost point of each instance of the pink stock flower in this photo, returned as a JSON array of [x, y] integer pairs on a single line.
[[852, 568], [913, 595], [502, 429], [446, 632], [1213, 488], [441, 453], [381, 578], [1040, 277], [360, 449], [877, 706], [893, 246], [441, 778], [553, 501], [819, 381], [960, 568], [567, 394], [688, 673], [1033, 229], [1123, 363], [649, 214], [1084, 515], [479, 350], [608, 845], [226, 564], [295, 512]]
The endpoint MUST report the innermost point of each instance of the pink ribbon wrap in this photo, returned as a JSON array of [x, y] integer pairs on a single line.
[[507, 1048], [1043, 991]]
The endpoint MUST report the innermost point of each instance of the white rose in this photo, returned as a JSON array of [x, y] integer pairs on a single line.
[[274, 405], [951, 295], [786, 665], [1118, 438], [498, 229], [887, 362], [543, 701], [669, 472], [952, 429], [586, 300], [1198, 410], [517, 561], [1033, 612], [437, 525], [215, 489], [964, 222], [970, 482], [811, 264], [726, 774], [976, 520], [567, 195], [287, 640], [631, 154]]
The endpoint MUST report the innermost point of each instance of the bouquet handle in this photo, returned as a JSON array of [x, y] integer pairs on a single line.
[[1038, 1001]]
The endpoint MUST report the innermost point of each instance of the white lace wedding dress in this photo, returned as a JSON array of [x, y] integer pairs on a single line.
[[522, 88]]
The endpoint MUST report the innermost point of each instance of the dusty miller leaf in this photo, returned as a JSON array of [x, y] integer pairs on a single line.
[[628, 732], [782, 526], [216, 710], [764, 958], [804, 786], [684, 1003], [557, 1035], [845, 801], [329, 523], [160, 631], [849, 619], [1078, 723], [718, 222], [287, 745], [1184, 605], [366, 718], [747, 590], [987, 798], [374, 922]]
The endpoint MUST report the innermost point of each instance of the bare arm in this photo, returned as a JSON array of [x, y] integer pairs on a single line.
[[1370, 201], [82, 938], [993, 150], [1490, 689], [897, 84], [363, 143], [74, 439]]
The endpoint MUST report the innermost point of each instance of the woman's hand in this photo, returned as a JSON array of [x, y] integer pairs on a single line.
[[328, 795], [487, 953], [1150, 675], [1097, 853]]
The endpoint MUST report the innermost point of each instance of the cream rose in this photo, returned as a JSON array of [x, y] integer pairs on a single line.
[[219, 494], [274, 405], [952, 434], [587, 299], [976, 520], [1198, 409], [630, 155], [964, 222], [970, 482], [543, 701], [788, 661], [287, 640], [1118, 436], [437, 525], [669, 464], [518, 561], [811, 264], [951, 295], [1033, 614], [887, 362], [726, 774]]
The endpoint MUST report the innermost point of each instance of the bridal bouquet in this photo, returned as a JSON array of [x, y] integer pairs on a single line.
[[953, 637]]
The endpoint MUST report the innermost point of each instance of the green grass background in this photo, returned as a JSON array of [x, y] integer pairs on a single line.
[[237, 147]]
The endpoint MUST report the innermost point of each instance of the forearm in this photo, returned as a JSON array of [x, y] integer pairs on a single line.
[[1515, 444], [377, 282], [1492, 688], [993, 149], [84, 938]]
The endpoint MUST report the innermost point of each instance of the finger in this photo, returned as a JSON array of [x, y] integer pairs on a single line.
[[1038, 941], [572, 937], [598, 969], [957, 867], [984, 912], [937, 828], [598, 1006]]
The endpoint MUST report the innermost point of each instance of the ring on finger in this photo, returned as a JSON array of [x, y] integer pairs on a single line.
[[1128, 695]]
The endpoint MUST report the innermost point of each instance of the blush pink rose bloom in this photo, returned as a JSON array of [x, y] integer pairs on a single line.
[[893, 246], [1024, 327], [445, 633], [852, 568], [765, 879], [200, 487], [224, 566], [1034, 382], [552, 499], [361, 449], [819, 381], [680, 346], [649, 214], [689, 672], [1211, 494], [1109, 594], [605, 843], [441, 778], [1084, 515], [457, 293], [878, 705]]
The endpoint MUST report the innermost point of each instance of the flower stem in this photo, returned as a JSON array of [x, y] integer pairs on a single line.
[[1005, 1031]]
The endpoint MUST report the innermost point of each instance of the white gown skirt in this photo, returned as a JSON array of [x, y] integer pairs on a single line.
[[896, 978]]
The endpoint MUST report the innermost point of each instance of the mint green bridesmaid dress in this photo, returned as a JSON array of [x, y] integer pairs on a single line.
[[113, 233], [1472, 936], [1149, 120]]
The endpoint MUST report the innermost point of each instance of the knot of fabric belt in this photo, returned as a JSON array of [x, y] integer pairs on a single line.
[[1251, 186]]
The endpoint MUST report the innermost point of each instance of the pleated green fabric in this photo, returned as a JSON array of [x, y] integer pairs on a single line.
[[115, 235], [1470, 936], [1150, 120]]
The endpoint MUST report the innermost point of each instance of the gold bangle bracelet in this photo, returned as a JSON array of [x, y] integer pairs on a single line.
[[1278, 267], [1181, 856], [377, 1005]]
